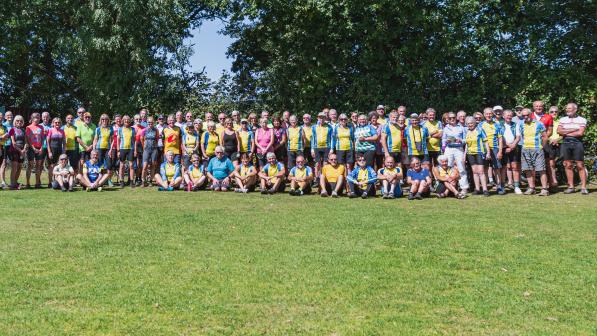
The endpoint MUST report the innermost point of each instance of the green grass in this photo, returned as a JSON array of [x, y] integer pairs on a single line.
[[149, 263]]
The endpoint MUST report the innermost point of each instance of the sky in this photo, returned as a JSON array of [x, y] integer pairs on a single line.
[[210, 49]]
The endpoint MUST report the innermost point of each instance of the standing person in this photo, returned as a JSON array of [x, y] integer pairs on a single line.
[[272, 175], [219, 170], [390, 176], [572, 128], [246, 139], [547, 120], [143, 117], [280, 139], [447, 178], [64, 175], [381, 114], [321, 141], [79, 120], [264, 141], [149, 141], [332, 179], [391, 139], [160, 127], [71, 147], [116, 125], [512, 151], [235, 116], [188, 118], [170, 176], [308, 133], [7, 124], [138, 163], [35, 135], [190, 145], [343, 140], [419, 179], [285, 119], [493, 131], [333, 118], [362, 178], [417, 137], [379, 155], [103, 142], [229, 139], [3, 152], [92, 176], [253, 122], [194, 176], [366, 137], [518, 114], [435, 128], [477, 154], [126, 150], [533, 136], [46, 123], [453, 139], [300, 177], [85, 135], [553, 150], [294, 141], [461, 118], [56, 143], [245, 175], [354, 119], [178, 120], [210, 139], [171, 138], [18, 150]]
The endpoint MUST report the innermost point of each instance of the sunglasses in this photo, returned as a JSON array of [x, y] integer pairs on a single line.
[[332, 160], [62, 159], [219, 152], [361, 160]]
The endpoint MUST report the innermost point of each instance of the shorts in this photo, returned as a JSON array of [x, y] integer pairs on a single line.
[[73, 158], [281, 153], [572, 151], [308, 156], [369, 157], [477, 160], [493, 160], [126, 155], [232, 155], [104, 159], [84, 156], [345, 156], [533, 159], [513, 156], [15, 155], [292, 157], [150, 155], [423, 158], [56, 185], [331, 186], [551, 152], [55, 155], [261, 160], [433, 157], [321, 154], [31, 155]]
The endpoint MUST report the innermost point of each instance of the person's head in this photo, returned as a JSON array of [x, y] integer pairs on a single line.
[[380, 110], [553, 112], [56, 122], [69, 119], [80, 112], [253, 118], [94, 156], [136, 119], [333, 159], [488, 114], [354, 117], [263, 123], [198, 124], [333, 115], [244, 159], [401, 121], [326, 111], [45, 117], [211, 126], [471, 122], [393, 117], [271, 158], [8, 116], [126, 120], [104, 120], [235, 115], [321, 116], [498, 112], [221, 118], [87, 118], [118, 119], [244, 124], [277, 122], [508, 115], [430, 112], [401, 110], [414, 120], [150, 122], [63, 160], [422, 117], [300, 161], [451, 118], [265, 114], [188, 117], [478, 116], [571, 109], [170, 120], [373, 117], [444, 118], [209, 116], [343, 120], [443, 161], [306, 119], [170, 156], [34, 118], [178, 116], [228, 123], [526, 115], [362, 121], [538, 107], [143, 114], [389, 162], [161, 120], [415, 164], [286, 116], [189, 127], [292, 120], [195, 160], [361, 162], [19, 121], [518, 110], [461, 117]]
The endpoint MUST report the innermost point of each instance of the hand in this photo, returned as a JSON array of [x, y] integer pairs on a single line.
[[109, 153], [362, 139], [50, 155], [499, 155]]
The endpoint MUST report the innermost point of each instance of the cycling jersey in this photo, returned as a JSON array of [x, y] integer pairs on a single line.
[[365, 132], [246, 139], [360, 174], [321, 136], [126, 138], [171, 137], [416, 140], [343, 138], [104, 137], [393, 137], [301, 172], [209, 142], [294, 139], [493, 131], [92, 170], [190, 139], [332, 173], [70, 133], [434, 144], [86, 133], [35, 135], [308, 131], [196, 172], [169, 171], [475, 141], [531, 134], [56, 137]]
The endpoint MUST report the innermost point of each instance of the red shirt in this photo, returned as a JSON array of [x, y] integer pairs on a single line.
[[546, 119], [138, 130], [35, 135]]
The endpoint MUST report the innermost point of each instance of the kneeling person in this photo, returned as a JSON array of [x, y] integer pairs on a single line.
[[169, 177], [362, 179], [63, 174], [272, 175], [300, 178], [92, 176], [331, 180], [390, 176]]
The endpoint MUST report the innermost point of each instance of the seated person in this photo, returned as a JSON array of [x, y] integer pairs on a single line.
[[169, 177], [194, 176], [64, 175], [419, 180], [361, 179], [332, 177], [447, 178], [219, 170], [300, 177], [390, 176], [92, 177], [272, 175], [245, 175]]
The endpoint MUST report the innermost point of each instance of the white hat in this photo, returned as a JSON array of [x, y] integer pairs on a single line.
[[380, 107], [498, 108]]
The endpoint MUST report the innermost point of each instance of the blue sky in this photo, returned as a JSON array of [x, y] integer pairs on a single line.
[[210, 49]]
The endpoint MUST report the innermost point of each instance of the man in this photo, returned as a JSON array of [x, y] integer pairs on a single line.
[[143, 117], [493, 131], [361, 179], [390, 176], [446, 177], [308, 133], [64, 175], [547, 120], [178, 120], [294, 141], [332, 177], [85, 135], [80, 117], [572, 128], [391, 139], [272, 175], [518, 114], [553, 150], [343, 139], [170, 176], [7, 124], [92, 176], [321, 141], [453, 139], [300, 178], [381, 114], [512, 150], [235, 116], [220, 124], [47, 125], [285, 119], [417, 137], [333, 118], [435, 128], [533, 137], [171, 138], [419, 180]]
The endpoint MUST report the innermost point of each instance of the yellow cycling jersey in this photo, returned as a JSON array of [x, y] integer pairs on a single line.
[[393, 137], [171, 136], [434, 144], [244, 171], [308, 131], [246, 140], [209, 142], [344, 138], [294, 139], [70, 133], [190, 139]]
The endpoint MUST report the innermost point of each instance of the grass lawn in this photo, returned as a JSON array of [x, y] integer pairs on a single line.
[[149, 263]]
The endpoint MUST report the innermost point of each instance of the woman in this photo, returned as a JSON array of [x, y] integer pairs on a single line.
[[103, 143], [272, 175], [209, 141], [343, 142], [169, 177], [264, 141], [362, 178], [379, 156], [453, 147], [219, 170], [366, 137], [390, 176], [71, 146], [279, 139], [35, 135], [149, 142], [190, 145], [18, 150], [245, 175], [56, 141], [246, 139], [477, 154], [126, 150], [138, 127], [447, 178], [194, 176], [63, 174], [230, 141], [295, 140]]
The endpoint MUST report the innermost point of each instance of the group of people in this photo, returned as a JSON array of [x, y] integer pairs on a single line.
[[353, 154]]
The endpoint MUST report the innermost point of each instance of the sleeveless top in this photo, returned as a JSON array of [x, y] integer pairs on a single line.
[[230, 142]]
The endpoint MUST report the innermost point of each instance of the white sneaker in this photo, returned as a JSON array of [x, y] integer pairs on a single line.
[[237, 190], [334, 194], [3, 185], [245, 190], [517, 191]]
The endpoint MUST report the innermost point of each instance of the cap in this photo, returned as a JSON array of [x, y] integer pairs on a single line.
[[243, 120], [160, 116], [498, 108], [322, 114], [87, 114], [518, 107], [380, 107], [63, 156], [414, 115]]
